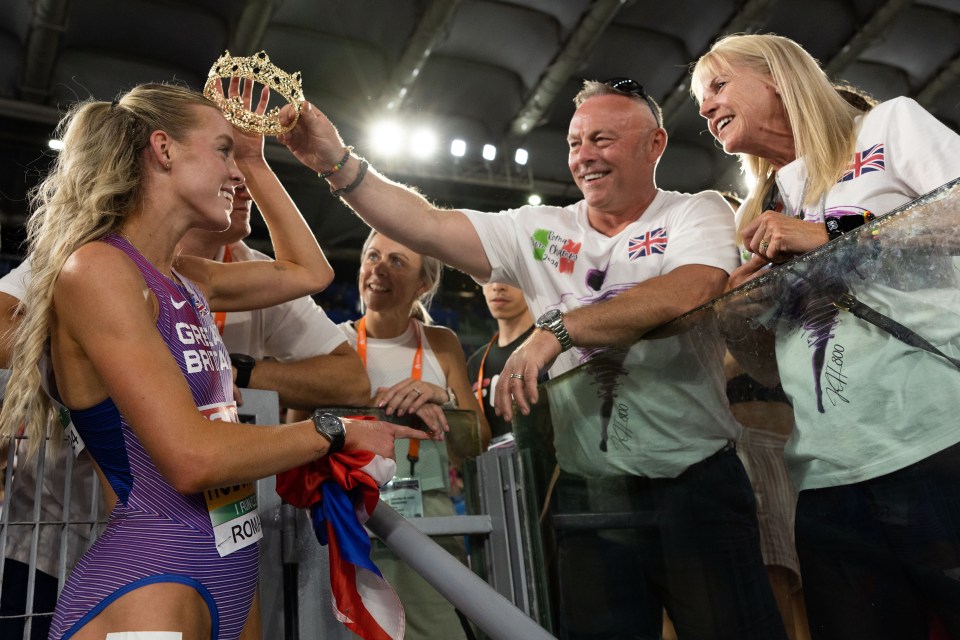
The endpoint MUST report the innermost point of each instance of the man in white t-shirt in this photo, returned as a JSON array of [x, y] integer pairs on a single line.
[[652, 433]]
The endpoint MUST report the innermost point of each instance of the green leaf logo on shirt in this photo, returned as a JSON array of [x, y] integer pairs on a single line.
[[539, 239]]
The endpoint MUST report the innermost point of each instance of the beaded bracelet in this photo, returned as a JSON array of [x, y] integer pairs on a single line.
[[356, 182], [339, 165]]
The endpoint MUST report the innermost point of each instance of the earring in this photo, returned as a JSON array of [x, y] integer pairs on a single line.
[[166, 166]]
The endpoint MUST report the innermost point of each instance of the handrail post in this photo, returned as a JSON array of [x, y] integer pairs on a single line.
[[489, 610]]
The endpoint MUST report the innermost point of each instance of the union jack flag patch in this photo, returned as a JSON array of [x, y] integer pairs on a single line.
[[199, 306], [648, 244], [864, 162]]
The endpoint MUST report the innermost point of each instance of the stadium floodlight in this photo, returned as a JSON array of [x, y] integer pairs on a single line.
[[386, 137], [423, 143]]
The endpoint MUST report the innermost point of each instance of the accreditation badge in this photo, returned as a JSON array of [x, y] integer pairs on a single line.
[[233, 509], [404, 495]]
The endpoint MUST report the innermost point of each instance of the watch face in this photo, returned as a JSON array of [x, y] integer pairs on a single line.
[[552, 321], [550, 316], [331, 424]]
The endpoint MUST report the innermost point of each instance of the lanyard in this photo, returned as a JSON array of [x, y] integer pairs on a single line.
[[220, 317], [416, 372], [480, 374]]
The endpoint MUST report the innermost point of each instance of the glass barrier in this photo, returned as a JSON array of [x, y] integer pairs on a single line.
[[854, 341]]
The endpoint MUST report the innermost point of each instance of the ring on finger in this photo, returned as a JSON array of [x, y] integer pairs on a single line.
[[764, 244], [417, 391], [516, 376]]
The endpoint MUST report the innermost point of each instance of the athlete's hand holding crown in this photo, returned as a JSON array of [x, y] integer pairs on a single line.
[[248, 145]]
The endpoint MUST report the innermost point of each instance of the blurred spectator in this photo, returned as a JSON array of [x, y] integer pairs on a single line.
[[514, 325]]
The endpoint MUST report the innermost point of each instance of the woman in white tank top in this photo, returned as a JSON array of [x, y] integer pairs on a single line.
[[413, 368]]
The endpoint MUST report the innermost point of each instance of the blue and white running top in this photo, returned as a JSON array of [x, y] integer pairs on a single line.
[[156, 534]]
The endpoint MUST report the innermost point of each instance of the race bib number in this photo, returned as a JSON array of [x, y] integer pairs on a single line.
[[233, 509], [404, 495]]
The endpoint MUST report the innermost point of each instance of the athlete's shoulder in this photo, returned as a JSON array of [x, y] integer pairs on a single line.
[[96, 263]]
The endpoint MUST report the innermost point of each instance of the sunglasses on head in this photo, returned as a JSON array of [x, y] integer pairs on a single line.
[[634, 88]]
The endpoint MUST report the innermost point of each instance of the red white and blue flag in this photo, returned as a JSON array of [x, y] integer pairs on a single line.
[[342, 491], [864, 162], [648, 244]]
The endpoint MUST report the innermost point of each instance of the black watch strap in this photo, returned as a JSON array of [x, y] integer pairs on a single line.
[[330, 427], [244, 365]]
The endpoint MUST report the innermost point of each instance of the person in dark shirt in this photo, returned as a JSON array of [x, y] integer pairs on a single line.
[[514, 325]]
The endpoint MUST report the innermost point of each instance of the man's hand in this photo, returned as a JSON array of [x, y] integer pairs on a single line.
[[518, 379], [237, 396], [377, 437], [314, 141]]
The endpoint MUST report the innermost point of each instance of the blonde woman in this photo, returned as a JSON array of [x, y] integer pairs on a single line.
[[876, 451], [138, 361], [414, 368]]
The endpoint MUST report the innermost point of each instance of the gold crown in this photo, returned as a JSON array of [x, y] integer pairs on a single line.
[[259, 69]]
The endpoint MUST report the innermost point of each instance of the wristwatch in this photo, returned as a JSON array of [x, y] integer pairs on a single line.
[[330, 427], [244, 365], [839, 225], [552, 321]]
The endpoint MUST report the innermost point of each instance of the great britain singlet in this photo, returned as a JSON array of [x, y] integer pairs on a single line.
[[156, 534]]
